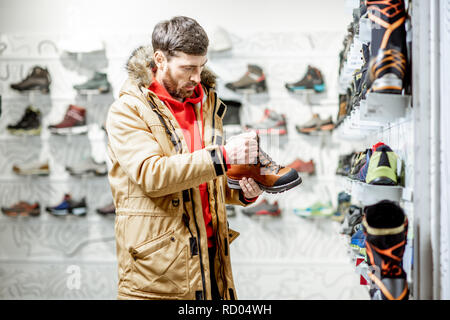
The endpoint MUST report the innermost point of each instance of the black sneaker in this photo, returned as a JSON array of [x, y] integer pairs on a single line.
[[30, 124], [313, 79], [39, 78]]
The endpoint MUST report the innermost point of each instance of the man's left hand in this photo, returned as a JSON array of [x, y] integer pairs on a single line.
[[250, 188]]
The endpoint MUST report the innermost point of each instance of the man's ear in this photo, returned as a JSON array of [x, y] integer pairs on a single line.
[[160, 59]]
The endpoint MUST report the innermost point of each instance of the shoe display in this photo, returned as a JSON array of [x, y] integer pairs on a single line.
[[109, 209], [315, 124], [388, 65], [97, 84], [317, 210], [271, 123], [385, 226], [69, 206], [88, 166], [382, 167], [302, 166], [264, 208], [253, 81], [37, 79], [312, 80], [74, 122], [40, 168], [23, 208], [344, 202], [352, 218], [29, 124], [270, 177], [344, 164]]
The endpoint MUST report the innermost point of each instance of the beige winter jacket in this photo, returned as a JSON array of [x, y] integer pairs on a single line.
[[161, 239]]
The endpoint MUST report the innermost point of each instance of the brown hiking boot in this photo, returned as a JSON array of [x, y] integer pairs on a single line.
[[253, 81], [39, 78], [270, 177], [23, 208], [74, 122], [302, 166]]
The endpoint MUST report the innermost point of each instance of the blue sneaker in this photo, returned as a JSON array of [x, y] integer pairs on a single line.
[[67, 205]]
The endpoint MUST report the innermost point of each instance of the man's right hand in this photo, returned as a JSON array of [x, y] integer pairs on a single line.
[[242, 149]]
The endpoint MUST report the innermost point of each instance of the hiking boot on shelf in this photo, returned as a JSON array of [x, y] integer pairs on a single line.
[[24, 209], [69, 206], [40, 168], [270, 177], [302, 166], [352, 218], [317, 210], [385, 226], [382, 166], [253, 81], [315, 124], [97, 84], [29, 124], [88, 166], [312, 80], [271, 123], [109, 209], [74, 122], [39, 78], [344, 164], [264, 208], [360, 165]]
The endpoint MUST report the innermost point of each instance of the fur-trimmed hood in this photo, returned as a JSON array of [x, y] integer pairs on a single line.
[[140, 66]]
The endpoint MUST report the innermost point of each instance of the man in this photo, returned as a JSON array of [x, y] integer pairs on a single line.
[[167, 178]]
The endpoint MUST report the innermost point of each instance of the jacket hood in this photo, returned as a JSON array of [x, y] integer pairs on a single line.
[[140, 66]]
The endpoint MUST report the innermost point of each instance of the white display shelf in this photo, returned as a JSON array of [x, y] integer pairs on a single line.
[[355, 128], [367, 194], [384, 107]]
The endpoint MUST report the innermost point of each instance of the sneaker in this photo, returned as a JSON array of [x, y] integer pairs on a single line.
[[271, 123], [385, 226], [24, 209], [69, 206], [344, 202], [310, 126], [317, 210], [29, 124], [382, 167], [352, 218], [264, 208], [344, 164], [39, 78], [302, 166], [359, 171], [109, 209], [311, 80], [97, 84], [253, 81], [40, 168], [88, 166], [270, 177], [231, 211], [74, 122]]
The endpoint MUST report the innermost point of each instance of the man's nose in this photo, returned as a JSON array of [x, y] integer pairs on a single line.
[[195, 77]]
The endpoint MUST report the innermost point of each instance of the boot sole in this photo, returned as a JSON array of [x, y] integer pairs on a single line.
[[234, 184], [43, 89], [69, 131]]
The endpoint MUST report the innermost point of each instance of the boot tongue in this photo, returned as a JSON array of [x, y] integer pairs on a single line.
[[267, 162]]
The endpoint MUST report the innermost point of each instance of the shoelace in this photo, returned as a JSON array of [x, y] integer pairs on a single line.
[[267, 162]]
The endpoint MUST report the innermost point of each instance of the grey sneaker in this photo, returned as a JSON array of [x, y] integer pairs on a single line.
[[88, 166], [264, 208], [271, 123], [97, 84]]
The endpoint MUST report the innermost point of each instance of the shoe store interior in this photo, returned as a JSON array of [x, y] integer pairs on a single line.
[[349, 93]]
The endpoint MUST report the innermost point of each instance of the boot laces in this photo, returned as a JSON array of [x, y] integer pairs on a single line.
[[267, 162]]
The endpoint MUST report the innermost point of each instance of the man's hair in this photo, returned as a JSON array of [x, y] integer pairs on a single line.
[[180, 34]]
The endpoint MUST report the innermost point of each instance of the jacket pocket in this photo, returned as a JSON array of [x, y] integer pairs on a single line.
[[160, 265]]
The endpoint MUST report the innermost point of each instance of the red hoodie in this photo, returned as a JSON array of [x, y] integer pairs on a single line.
[[185, 115]]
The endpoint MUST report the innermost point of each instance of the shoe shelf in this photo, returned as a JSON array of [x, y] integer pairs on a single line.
[[367, 194], [384, 108]]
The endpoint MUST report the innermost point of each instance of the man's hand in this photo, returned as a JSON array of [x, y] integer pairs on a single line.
[[250, 188], [242, 149]]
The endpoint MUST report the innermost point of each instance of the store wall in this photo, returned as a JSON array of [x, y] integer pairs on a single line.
[[288, 258]]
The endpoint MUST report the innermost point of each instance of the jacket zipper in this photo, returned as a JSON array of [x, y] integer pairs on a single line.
[[199, 246]]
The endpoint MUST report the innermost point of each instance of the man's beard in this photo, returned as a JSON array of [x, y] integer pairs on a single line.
[[171, 86]]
